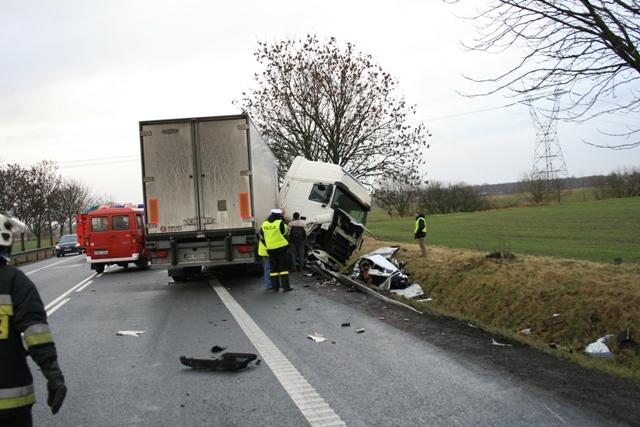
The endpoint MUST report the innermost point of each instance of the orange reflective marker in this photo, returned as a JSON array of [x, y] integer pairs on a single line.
[[245, 211], [153, 211]]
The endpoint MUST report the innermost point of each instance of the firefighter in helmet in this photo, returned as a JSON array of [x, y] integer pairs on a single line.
[[23, 317]]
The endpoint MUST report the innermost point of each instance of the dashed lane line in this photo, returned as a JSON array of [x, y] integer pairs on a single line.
[[65, 294], [47, 266], [313, 407]]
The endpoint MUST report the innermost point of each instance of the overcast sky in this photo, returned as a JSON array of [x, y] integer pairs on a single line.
[[76, 77]]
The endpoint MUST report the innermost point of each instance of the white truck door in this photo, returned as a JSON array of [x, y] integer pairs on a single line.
[[169, 177], [225, 181]]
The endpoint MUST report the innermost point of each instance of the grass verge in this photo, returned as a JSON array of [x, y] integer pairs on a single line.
[[589, 299]]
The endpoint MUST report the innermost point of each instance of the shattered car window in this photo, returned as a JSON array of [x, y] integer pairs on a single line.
[[347, 203]]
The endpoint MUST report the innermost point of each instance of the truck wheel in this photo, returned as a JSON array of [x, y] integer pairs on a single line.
[[99, 268], [143, 264]]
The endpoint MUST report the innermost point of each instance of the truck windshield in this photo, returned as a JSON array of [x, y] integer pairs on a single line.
[[346, 202]]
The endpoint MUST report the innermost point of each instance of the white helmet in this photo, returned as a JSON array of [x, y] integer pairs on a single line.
[[6, 230]]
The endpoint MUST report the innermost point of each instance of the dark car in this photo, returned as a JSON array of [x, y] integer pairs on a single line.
[[68, 244]]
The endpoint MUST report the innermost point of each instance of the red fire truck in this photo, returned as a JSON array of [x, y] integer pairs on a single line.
[[113, 235]]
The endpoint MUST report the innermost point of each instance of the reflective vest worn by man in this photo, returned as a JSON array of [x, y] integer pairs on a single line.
[[420, 231], [272, 235], [22, 316]]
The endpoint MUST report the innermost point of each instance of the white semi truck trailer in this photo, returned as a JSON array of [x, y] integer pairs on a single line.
[[208, 184]]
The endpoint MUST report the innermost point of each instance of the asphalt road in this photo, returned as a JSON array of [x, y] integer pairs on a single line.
[[384, 376]]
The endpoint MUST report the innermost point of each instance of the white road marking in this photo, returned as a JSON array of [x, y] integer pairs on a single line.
[[311, 404], [84, 286], [556, 415], [60, 304], [47, 266], [64, 295]]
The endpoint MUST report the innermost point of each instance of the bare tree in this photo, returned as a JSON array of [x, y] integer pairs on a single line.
[[332, 103], [584, 48], [534, 188], [75, 196], [396, 195], [43, 181]]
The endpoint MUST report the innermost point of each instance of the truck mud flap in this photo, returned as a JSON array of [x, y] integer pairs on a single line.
[[174, 252]]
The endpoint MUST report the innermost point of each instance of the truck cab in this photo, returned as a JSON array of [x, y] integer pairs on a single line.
[[334, 204], [115, 235]]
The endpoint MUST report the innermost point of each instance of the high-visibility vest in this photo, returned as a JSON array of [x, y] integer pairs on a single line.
[[415, 230], [273, 238], [262, 249]]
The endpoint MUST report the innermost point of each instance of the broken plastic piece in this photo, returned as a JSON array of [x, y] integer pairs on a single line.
[[359, 331], [525, 332], [500, 344], [129, 333], [412, 291], [226, 362], [316, 337], [217, 349], [346, 324], [599, 348]]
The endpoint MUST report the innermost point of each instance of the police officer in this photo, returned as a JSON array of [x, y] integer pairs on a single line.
[[22, 312], [272, 235], [420, 231]]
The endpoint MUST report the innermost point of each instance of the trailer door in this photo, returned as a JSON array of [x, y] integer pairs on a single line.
[[225, 175], [170, 189]]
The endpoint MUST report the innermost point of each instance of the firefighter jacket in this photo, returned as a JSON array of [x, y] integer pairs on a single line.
[[273, 231], [22, 316], [420, 229]]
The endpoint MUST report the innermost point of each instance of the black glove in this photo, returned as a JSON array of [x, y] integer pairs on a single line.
[[57, 392]]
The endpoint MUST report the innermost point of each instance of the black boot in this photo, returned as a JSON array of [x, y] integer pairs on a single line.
[[275, 284], [284, 282]]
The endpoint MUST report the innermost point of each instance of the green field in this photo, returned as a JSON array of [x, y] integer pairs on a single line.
[[594, 230]]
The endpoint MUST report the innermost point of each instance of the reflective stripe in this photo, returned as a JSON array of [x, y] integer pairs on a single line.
[[17, 402], [38, 328], [283, 273], [25, 390], [17, 397], [38, 339], [5, 299], [6, 309], [274, 274]]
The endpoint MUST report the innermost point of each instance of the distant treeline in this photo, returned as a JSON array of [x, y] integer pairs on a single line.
[[437, 198]]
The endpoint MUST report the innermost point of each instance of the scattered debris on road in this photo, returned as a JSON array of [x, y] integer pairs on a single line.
[[524, 332], [499, 344], [346, 324], [471, 325], [217, 349], [360, 331], [316, 337], [226, 362], [129, 333], [599, 348]]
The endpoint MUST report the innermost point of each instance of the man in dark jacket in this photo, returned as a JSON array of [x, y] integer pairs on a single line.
[[22, 316], [272, 235], [420, 231], [297, 238]]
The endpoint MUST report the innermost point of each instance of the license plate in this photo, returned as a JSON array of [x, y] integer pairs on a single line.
[[195, 256], [101, 252]]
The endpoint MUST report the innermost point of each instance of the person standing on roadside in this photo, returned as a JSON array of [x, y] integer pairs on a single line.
[[23, 318], [297, 238], [420, 231], [272, 235], [266, 268]]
